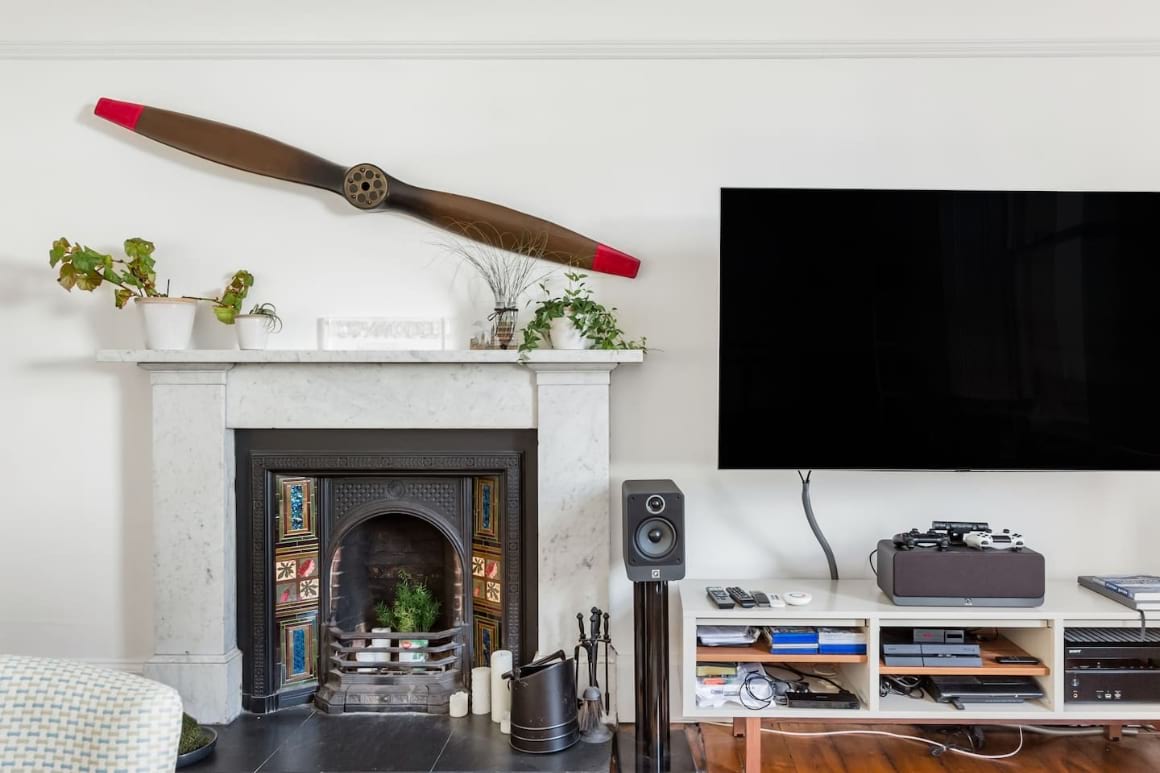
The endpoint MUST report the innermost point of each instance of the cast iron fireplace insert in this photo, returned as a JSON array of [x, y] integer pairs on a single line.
[[464, 498]]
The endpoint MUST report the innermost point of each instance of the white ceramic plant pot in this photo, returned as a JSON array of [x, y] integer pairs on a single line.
[[375, 657], [564, 335], [168, 321], [253, 330]]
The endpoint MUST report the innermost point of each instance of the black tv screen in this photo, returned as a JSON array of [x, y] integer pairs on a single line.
[[928, 329]]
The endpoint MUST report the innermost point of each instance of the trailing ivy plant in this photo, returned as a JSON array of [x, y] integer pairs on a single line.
[[592, 320], [134, 276], [85, 268]]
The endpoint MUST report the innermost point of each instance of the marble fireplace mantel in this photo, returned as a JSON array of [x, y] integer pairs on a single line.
[[201, 396]]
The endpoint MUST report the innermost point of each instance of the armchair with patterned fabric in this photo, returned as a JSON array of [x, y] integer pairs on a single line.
[[64, 715]]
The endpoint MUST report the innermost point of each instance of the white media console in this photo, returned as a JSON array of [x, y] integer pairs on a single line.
[[859, 604]]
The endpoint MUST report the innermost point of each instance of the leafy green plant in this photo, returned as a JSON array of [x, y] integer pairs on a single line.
[[415, 608], [270, 312], [85, 268], [134, 276], [593, 320], [229, 305], [193, 735], [383, 614]]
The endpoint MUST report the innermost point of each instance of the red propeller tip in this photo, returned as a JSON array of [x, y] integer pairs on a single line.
[[121, 113], [611, 261]]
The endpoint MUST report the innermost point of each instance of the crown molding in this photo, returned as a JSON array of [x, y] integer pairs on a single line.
[[578, 49]]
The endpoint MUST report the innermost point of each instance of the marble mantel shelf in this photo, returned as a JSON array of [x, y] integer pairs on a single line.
[[319, 356]]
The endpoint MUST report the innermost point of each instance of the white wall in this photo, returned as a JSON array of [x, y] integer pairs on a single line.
[[631, 151]]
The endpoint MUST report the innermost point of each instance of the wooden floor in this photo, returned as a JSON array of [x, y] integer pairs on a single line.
[[717, 751]]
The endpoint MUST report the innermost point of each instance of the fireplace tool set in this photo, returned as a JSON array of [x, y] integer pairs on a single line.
[[595, 702]]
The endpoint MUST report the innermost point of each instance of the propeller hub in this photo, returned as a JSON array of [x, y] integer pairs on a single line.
[[365, 186]]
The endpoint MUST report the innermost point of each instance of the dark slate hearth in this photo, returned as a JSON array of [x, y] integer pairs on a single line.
[[302, 740]]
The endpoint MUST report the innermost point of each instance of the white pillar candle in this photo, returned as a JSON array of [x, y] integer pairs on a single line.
[[480, 690], [459, 704], [505, 724], [501, 663]]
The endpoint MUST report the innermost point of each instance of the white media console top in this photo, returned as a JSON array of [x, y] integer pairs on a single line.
[[862, 598]]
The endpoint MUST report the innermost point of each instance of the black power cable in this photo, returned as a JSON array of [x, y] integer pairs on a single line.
[[814, 524]]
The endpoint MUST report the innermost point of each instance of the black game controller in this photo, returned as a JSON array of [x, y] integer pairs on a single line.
[[919, 539]]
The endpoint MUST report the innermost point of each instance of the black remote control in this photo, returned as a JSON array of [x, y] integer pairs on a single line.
[[719, 597], [1017, 660], [741, 596], [761, 599]]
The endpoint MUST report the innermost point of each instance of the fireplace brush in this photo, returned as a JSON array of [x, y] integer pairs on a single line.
[[592, 729]]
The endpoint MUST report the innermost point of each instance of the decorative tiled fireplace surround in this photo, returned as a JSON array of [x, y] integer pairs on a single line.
[[200, 397]]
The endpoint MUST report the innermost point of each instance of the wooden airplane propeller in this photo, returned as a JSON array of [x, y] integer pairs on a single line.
[[366, 186]]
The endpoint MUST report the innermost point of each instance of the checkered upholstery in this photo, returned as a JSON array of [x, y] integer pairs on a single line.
[[57, 715]]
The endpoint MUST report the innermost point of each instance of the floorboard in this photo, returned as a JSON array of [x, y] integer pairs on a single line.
[[717, 751]]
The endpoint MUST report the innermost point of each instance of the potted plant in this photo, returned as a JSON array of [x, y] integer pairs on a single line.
[[254, 329], [383, 617], [168, 319], [197, 742], [509, 271], [575, 321], [415, 610]]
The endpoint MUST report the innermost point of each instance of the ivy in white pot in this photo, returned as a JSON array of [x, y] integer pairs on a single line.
[[575, 321], [168, 320]]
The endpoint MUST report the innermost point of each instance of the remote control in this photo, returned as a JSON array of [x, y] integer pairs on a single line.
[[776, 600], [1017, 660], [741, 596], [761, 599], [719, 597]]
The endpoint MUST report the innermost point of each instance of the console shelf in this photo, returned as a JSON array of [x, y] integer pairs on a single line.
[[858, 604], [989, 650], [759, 654]]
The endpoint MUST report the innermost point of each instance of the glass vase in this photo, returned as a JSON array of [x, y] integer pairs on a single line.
[[504, 323]]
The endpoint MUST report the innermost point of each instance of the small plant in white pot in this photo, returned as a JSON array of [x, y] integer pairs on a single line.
[[575, 321], [168, 320], [254, 328], [383, 616]]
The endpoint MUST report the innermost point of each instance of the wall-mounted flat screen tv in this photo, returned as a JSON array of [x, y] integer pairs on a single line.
[[939, 329]]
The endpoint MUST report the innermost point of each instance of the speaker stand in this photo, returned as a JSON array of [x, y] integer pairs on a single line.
[[651, 624]]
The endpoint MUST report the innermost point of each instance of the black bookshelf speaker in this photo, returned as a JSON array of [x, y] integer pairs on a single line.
[[654, 530]]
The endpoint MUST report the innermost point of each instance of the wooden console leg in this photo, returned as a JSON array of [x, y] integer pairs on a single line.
[[1113, 731], [752, 745], [738, 727]]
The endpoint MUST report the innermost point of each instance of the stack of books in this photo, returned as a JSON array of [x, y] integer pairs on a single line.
[[792, 640], [841, 641], [1136, 591]]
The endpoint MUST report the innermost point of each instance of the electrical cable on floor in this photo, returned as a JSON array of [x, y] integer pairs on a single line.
[[1070, 731], [939, 748], [817, 530]]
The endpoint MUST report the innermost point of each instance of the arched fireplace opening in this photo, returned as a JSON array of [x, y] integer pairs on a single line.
[[378, 664], [370, 559]]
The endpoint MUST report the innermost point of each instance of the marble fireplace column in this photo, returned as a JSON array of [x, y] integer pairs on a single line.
[[194, 607], [573, 434]]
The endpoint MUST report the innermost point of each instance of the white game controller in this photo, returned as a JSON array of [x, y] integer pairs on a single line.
[[985, 540], [797, 598]]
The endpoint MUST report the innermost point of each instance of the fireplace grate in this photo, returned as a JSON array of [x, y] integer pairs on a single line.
[[392, 671]]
